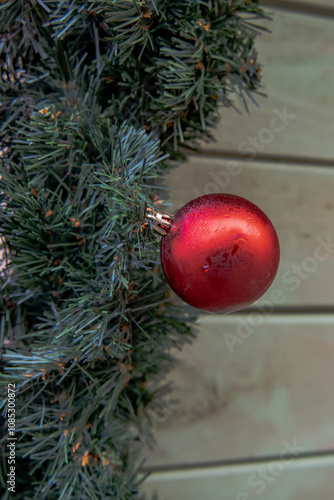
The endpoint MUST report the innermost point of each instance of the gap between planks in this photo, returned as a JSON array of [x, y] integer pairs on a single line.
[[300, 7], [225, 468], [260, 158]]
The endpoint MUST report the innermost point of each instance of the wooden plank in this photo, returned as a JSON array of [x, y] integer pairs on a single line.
[[243, 390], [297, 480], [298, 200], [301, 3], [298, 74]]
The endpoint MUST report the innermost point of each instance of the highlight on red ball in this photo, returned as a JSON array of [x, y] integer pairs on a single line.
[[221, 253]]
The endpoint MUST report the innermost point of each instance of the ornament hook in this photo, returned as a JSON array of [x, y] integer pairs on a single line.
[[160, 219]]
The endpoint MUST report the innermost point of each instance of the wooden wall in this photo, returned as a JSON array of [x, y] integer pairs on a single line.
[[251, 414]]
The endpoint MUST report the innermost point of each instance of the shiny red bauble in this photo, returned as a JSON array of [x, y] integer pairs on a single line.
[[220, 254]]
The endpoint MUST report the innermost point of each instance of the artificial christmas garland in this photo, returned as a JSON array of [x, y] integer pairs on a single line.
[[96, 99]]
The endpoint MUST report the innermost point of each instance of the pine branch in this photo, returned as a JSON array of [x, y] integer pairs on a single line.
[[96, 99]]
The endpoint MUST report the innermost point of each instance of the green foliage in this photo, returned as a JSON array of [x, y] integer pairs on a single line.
[[96, 99], [89, 321]]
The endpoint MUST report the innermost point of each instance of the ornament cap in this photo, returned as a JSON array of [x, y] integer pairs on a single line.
[[159, 219]]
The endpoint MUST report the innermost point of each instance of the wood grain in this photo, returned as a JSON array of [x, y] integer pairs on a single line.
[[298, 74], [243, 391]]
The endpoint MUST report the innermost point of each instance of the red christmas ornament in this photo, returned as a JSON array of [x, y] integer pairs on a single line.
[[220, 253]]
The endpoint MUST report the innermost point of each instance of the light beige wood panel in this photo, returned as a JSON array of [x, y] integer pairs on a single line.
[[300, 203], [317, 3], [298, 73], [243, 390], [299, 480]]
